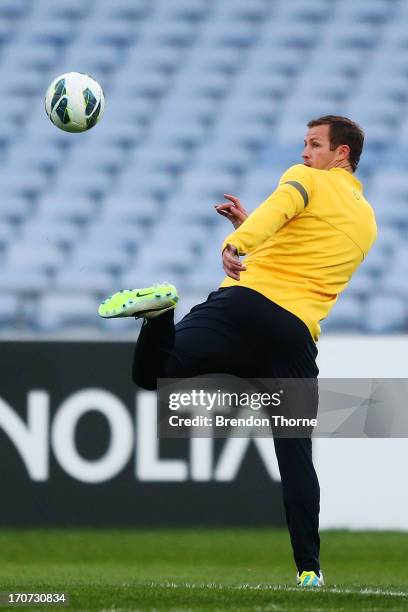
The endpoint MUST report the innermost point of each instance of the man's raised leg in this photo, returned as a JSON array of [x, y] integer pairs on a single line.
[[153, 347]]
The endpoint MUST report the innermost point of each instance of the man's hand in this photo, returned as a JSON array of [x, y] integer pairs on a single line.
[[234, 211], [231, 263]]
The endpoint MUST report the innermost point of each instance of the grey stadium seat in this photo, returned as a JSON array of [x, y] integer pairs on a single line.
[[57, 311], [82, 278], [384, 314]]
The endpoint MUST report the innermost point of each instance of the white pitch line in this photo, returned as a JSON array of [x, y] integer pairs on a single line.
[[270, 587]]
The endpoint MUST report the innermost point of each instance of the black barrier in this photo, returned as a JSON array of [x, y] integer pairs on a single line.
[[79, 447]]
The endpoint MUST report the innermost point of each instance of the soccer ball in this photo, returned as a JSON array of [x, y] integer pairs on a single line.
[[74, 102]]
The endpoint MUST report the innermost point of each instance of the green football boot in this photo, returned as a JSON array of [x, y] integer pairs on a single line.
[[149, 302], [310, 580]]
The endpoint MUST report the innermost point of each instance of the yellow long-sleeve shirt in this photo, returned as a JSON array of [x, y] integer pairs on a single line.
[[305, 241]]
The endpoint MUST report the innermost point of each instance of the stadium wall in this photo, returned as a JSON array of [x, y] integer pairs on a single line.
[[78, 446]]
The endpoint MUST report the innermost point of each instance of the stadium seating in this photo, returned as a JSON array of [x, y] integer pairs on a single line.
[[204, 97]]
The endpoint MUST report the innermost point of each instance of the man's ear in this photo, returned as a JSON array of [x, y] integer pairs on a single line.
[[344, 151]]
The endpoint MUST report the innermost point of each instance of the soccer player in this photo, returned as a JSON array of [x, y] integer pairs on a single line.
[[302, 246]]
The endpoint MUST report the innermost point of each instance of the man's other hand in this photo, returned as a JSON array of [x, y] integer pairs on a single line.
[[231, 263]]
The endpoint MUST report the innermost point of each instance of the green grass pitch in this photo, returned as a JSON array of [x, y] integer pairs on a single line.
[[203, 569]]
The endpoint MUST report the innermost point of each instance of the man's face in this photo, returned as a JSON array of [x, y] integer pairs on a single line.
[[317, 153]]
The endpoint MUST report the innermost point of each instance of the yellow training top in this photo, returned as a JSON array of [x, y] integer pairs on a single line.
[[305, 241]]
